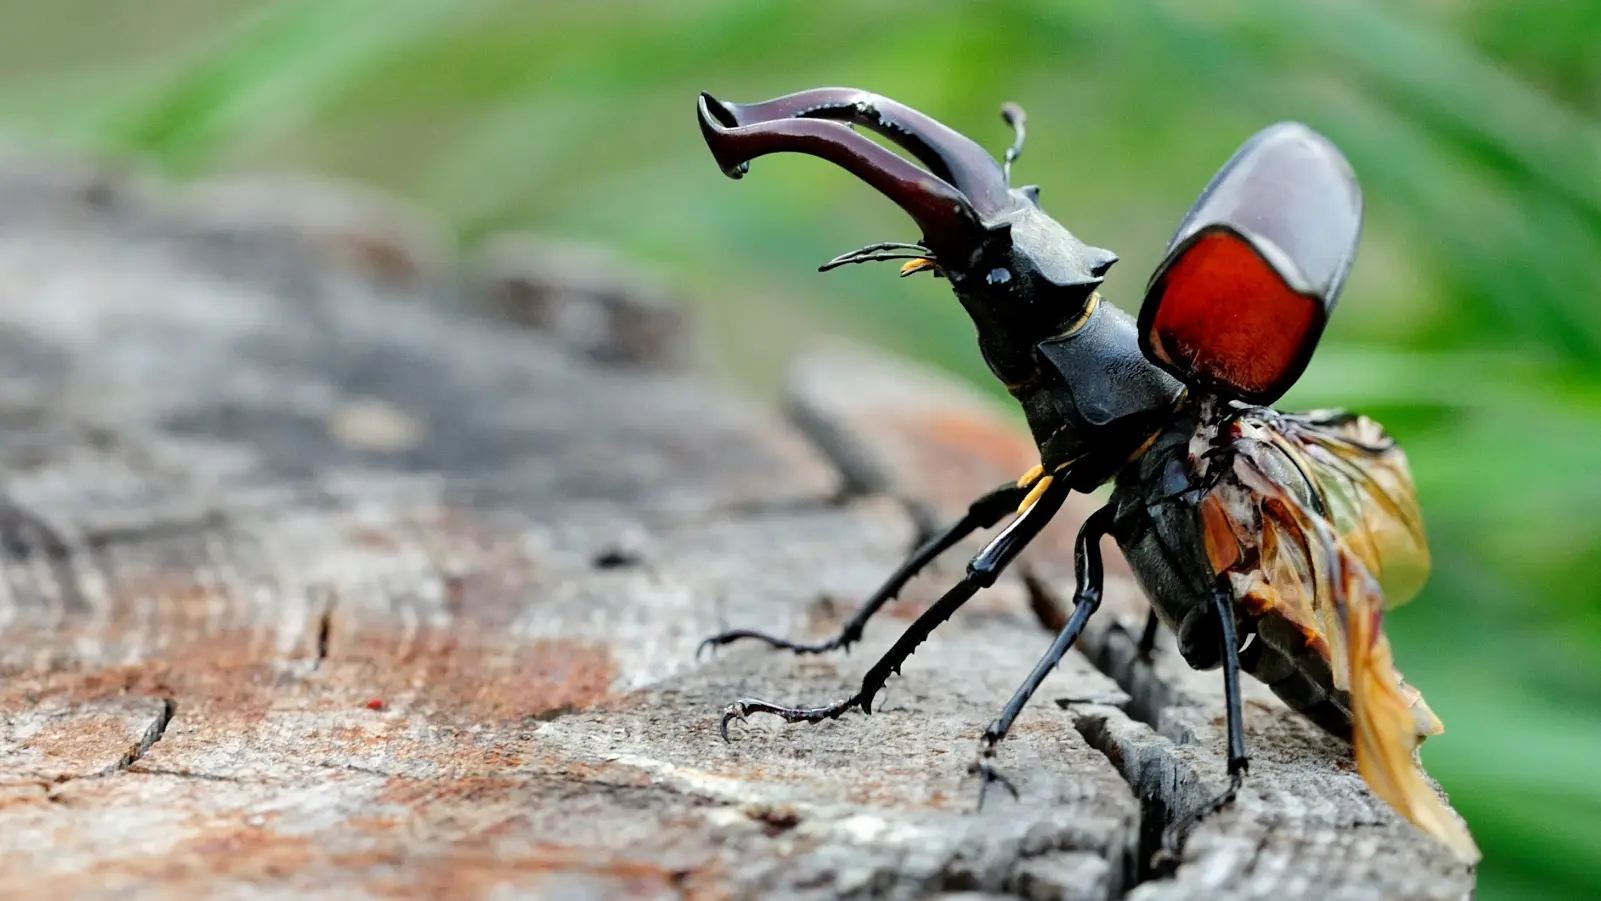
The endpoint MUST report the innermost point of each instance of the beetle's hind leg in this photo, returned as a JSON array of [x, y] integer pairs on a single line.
[[1089, 575], [982, 572], [981, 514], [1147, 644], [1174, 836]]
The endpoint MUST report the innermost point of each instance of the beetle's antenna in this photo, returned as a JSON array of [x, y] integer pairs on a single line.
[[877, 253], [1014, 116]]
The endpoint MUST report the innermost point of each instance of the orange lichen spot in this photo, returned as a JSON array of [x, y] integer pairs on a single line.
[[953, 454], [966, 439]]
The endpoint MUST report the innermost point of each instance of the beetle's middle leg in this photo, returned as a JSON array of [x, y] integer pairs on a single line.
[[1086, 600], [982, 572], [1173, 838], [981, 514]]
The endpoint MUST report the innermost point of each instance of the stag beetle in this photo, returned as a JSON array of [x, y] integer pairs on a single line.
[[1267, 542]]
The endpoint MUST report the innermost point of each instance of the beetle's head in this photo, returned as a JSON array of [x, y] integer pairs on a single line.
[[1021, 276]]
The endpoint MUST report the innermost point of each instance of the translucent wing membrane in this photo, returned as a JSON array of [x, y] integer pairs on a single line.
[[1317, 522], [1366, 490]]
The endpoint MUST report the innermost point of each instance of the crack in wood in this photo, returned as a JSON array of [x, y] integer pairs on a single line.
[[25, 536], [354, 768], [860, 475], [190, 774], [152, 734], [1156, 813], [325, 629], [1044, 603], [1165, 785], [863, 477], [1112, 650], [1154, 779]]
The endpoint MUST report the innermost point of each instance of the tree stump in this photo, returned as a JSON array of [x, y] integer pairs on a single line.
[[332, 569]]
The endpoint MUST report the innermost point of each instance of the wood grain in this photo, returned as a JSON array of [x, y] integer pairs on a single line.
[[334, 567]]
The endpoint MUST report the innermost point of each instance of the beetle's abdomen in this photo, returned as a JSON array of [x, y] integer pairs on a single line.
[[1162, 530], [1300, 676], [1275, 650]]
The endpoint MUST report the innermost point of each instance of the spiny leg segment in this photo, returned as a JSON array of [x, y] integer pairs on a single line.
[[982, 572], [1086, 600], [981, 514]]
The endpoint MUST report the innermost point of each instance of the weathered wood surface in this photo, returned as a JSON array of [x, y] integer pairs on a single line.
[[323, 579]]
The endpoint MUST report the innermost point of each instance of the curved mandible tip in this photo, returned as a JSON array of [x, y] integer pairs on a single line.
[[947, 153], [736, 135]]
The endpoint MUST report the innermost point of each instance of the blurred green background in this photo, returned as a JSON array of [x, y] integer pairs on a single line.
[[1471, 325]]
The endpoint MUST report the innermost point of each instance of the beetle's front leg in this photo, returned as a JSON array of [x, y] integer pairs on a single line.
[[1089, 576], [982, 572], [981, 514]]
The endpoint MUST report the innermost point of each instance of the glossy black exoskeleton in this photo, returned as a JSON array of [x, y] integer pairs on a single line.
[[1233, 516]]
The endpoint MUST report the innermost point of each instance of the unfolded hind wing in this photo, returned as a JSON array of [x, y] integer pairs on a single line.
[[1316, 520]]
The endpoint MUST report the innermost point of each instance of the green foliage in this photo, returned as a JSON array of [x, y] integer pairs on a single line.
[[1471, 326], [268, 76]]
